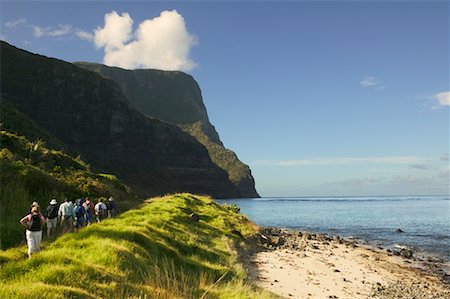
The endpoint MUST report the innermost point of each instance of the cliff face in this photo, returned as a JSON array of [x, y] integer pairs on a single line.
[[92, 117], [175, 97]]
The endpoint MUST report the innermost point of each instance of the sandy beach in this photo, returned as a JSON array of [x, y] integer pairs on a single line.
[[304, 265]]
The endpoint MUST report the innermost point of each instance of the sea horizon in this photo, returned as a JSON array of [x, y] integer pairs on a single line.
[[418, 222]]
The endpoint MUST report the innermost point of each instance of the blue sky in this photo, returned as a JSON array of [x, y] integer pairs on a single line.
[[319, 98]]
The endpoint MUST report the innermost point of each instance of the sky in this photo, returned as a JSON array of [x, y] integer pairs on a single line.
[[325, 98]]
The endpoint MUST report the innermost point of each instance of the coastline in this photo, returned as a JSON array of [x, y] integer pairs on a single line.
[[299, 264]]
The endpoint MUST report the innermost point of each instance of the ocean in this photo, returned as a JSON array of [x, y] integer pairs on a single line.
[[424, 220]]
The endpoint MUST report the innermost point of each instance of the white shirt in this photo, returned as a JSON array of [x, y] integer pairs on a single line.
[[100, 206], [66, 209]]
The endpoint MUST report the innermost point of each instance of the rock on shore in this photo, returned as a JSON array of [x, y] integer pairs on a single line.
[[298, 264]]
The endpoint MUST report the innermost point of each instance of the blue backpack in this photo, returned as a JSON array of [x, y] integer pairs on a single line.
[[79, 211]]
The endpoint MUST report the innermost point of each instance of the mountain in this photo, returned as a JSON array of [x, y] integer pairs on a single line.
[[176, 98], [90, 115]]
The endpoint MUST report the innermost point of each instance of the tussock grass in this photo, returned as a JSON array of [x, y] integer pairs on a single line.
[[156, 251], [29, 171]]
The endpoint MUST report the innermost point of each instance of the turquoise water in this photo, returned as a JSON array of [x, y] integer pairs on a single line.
[[425, 220]]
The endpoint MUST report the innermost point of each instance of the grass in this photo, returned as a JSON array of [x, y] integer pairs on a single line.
[[30, 171], [155, 251]]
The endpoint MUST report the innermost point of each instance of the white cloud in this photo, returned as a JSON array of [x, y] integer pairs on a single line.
[[115, 33], [443, 98], [84, 35], [423, 166], [16, 23], [162, 42], [62, 30], [38, 31], [342, 161], [369, 81], [358, 182]]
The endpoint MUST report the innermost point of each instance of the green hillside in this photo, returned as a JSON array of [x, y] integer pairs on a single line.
[[93, 118], [156, 251], [30, 171]]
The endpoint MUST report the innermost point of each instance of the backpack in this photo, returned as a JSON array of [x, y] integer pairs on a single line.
[[52, 213], [79, 211], [35, 223]]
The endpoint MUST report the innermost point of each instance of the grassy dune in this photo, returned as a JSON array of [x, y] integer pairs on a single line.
[[156, 251]]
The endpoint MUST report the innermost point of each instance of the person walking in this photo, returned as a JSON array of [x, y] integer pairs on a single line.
[[33, 222], [66, 215], [51, 213], [100, 210], [80, 214], [112, 209], [89, 207]]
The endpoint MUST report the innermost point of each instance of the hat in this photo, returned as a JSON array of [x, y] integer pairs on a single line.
[[53, 202], [35, 204], [111, 199]]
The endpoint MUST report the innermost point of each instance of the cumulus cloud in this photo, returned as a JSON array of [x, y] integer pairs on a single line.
[[443, 98], [162, 42], [115, 33], [444, 158], [369, 81]]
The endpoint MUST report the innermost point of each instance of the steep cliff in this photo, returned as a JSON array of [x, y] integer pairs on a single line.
[[92, 117], [175, 97]]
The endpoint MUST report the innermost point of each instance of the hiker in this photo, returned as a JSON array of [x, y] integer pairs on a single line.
[[100, 210], [80, 214], [111, 205], [34, 204], [89, 207], [66, 215], [51, 213], [33, 223]]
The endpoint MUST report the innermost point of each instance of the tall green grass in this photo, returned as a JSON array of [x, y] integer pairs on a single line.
[[156, 251], [29, 171], [14, 204]]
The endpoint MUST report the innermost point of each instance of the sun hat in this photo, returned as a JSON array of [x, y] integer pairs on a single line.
[[53, 202]]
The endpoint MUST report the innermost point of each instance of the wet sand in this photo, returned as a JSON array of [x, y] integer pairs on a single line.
[[304, 265]]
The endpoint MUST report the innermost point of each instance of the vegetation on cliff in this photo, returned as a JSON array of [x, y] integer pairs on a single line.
[[155, 251], [176, 98], [91, 117], [30, 171]]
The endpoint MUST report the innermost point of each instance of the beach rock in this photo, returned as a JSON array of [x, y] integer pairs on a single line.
[[433, 259], [398, 230], [406, 253], [194, 217], [263, 239]]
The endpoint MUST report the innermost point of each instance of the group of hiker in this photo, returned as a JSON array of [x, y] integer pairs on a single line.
[[68, 215]]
